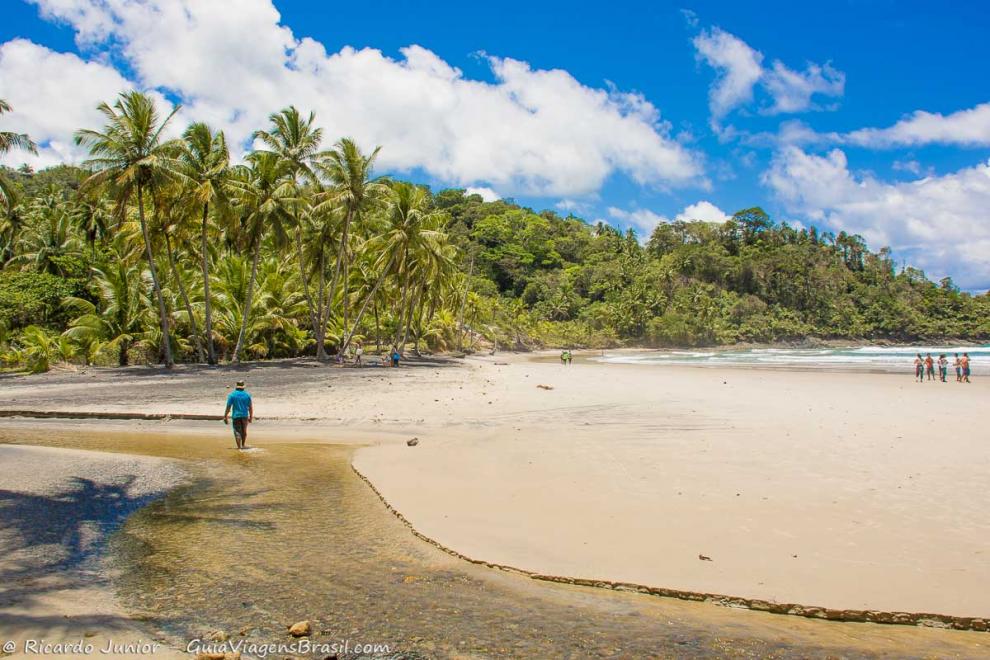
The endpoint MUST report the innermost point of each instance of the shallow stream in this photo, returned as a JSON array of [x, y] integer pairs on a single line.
[[265, 538]]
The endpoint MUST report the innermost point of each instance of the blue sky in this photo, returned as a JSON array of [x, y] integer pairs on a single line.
[[871, 117]]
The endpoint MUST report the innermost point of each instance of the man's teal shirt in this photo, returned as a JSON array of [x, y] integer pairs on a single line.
[[239, 402]]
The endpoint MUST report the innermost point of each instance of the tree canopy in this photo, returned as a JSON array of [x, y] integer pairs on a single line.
[[157, 250]]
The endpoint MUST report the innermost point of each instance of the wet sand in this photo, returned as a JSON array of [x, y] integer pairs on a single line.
[[849, 491], [830, 489], [289, 532], [58, 508]]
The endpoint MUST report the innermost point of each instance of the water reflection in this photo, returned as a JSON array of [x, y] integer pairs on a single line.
[[262, 540]]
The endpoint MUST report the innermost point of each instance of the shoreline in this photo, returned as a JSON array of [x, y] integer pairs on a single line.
[[733, 625], [921, 619], [585, 479], [805, 610]]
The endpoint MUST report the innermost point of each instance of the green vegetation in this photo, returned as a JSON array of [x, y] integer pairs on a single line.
[[160, 250]]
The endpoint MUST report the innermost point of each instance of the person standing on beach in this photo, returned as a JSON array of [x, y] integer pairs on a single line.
[[943, 367], [358, 352], [930, 366], [240, 402], [958, 365], [964, 363], [396, 356], [919, 368]]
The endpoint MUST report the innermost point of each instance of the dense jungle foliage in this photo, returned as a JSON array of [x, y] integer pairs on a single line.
[[160, 250]]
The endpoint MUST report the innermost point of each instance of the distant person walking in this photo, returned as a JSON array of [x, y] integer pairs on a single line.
[[964, 363], [358, 352], [958, 365], [396, 356], [919, 368], [563, 357], [943, 367], [930, 366], [239, 401]]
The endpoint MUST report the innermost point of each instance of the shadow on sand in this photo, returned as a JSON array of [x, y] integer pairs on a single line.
[[53, 543]]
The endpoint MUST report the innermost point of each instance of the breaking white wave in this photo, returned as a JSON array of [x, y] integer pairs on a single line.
[[871, 358]]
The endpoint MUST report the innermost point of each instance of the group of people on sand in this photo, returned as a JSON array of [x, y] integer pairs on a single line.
[[356, 357], [925, 366]]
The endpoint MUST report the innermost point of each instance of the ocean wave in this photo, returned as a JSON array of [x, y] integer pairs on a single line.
[[894, 359]]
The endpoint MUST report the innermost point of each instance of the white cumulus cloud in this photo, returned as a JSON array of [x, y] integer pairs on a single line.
[[486, 194], [792, 90], [938, 222], [52, 95], [739, 69], [704, 211], [967, 128], [530, 131], [643, 221]]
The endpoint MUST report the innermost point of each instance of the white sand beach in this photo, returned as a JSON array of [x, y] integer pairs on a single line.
[[849, 491], [840, 490]]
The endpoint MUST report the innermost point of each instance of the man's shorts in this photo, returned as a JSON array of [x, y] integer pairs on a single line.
[[240, 427]]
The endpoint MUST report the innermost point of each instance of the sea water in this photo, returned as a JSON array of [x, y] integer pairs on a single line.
[[888, 359]]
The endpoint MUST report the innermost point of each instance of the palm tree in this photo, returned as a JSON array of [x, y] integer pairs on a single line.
[[119, 321], [130, 158], [93, 217], [230, 275], [50, 237], [440, 276], [297, 142], [412, 233], [349, 173], [8, 141], [175, 218], [279, 306], [264, 194], [206, 163]]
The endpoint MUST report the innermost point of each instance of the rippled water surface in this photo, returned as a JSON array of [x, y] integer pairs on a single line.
[[263, 539]]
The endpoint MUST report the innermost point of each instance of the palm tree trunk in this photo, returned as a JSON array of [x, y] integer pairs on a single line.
[[313, 313], [320, 330], [364, 306], [460, 314], [378, 330], [155, 284], [336, 271], [429, 316], [185, 296], [211, 352], [400, 317], [418, 327], [247, 302], [408, 322], [343, 297], [122, 355]]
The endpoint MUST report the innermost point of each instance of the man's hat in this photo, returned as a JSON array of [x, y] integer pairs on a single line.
[[240, 384]]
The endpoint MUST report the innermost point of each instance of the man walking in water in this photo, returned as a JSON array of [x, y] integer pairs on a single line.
[[240, 402]]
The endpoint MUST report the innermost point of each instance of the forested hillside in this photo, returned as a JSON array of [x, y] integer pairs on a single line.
[[160, 250]]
